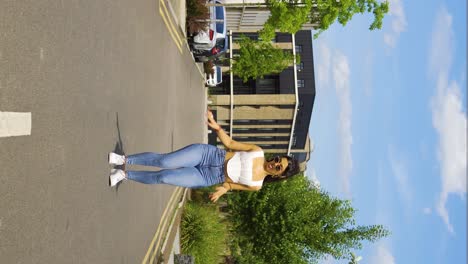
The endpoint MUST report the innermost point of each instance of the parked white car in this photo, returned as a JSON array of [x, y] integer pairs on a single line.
[[216, 78]]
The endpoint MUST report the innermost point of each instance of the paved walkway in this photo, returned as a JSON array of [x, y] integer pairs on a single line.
[[96, 77], [168, 238]]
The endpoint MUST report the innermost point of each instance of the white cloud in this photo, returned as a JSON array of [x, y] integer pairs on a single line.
[[312, 176], [389, 39], [427, 210], [442, 44], [323, 65], [382, 256], [398, 24], [333, 70], [448, 116], [449, 120], [400, 173], [341, 77]]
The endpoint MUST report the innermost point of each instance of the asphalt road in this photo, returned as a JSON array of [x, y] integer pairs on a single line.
[[97, 76]]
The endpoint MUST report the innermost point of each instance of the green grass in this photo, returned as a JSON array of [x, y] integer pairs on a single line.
[[203, 234]]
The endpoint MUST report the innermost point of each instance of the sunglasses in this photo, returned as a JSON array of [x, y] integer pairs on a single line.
[[279, 167]]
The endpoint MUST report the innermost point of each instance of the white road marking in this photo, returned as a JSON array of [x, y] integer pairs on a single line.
[[41, 54], [15, 124]]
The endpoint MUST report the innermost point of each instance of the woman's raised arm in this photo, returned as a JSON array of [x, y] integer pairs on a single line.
[[225, 139]]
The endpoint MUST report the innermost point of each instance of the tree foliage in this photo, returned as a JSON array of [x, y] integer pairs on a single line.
[[293, 222], [290, 15], [257, 59], [286, 16]]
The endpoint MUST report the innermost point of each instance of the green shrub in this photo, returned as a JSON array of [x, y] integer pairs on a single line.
[[296, 223], [201, 195], [203, 234], [243, 252]]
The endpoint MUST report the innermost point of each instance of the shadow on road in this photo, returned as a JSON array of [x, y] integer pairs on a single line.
[[119, 149]]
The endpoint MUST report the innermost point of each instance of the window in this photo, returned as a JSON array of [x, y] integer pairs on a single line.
[[221, 43], [300, 66], [268, 85], [298, 48], [238, 36], [220, 16], [300, 83]]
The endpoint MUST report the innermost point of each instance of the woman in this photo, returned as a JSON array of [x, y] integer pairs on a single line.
[[202, 165]]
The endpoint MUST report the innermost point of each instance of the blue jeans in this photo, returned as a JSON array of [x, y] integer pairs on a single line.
[[195, 166]]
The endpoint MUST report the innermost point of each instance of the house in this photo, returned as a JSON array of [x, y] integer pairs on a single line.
[[249, 15], [273, 112]]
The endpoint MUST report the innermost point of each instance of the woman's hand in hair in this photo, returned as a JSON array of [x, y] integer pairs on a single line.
[[211, 121], [220, 191]]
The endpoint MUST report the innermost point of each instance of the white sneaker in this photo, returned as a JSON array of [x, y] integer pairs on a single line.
[[116, 159], [116, 176]]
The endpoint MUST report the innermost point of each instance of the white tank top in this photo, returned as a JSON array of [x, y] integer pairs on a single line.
[[239, 167]]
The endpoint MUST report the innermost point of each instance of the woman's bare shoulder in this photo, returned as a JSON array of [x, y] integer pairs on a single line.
[[256, 148]]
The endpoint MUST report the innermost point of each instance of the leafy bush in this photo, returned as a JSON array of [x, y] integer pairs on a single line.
[[198, 15], [294, 222], [243, 252], [203, 234]]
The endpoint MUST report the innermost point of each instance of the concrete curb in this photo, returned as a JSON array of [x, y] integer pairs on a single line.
[[168, 228], [173, 230], [163, 240]]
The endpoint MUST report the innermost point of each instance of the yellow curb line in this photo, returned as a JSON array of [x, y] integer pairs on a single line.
[[172, 22], [179, 205], [161, 224], [155, 251], [165, 19], [176, 33]]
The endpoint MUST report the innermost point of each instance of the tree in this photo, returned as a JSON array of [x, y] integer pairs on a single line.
[[286, 16], [293, 222], [290, 15], [259, 58], [354, 259]]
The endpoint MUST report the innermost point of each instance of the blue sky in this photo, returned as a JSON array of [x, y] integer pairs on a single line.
[[389, 128]]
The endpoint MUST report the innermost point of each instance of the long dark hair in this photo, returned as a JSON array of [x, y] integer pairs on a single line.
[[291, 170]]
